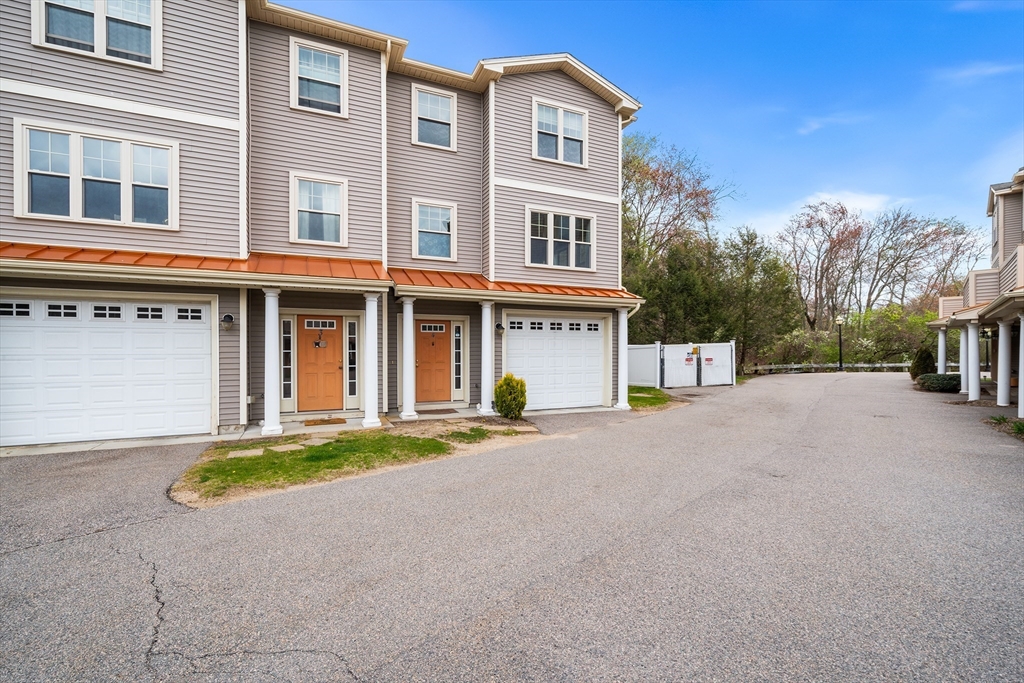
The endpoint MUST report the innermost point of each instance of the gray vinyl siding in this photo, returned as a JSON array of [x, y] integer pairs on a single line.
[[207, 171], [513, 135], [436, 174], [302, 300], [1013, 231], [1008, 274], [442, 310], [285, 140], [200, 46], [485, 199], [499, 308], [228, 347], [987, 285], [511, 232]]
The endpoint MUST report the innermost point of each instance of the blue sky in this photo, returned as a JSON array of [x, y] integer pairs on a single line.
[[875, 103]]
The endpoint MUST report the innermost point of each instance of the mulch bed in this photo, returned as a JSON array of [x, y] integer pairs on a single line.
[[1005, 428]]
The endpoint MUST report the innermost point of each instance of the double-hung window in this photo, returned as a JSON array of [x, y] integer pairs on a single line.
[[433, 117], [561, 240], [560, 133], [319, 209], [94, 176], [319, 78], [121, 30], [434, 229]]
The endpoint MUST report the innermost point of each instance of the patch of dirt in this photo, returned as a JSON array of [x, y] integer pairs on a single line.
[[180, 493], [1006, 427], [980, 403], [671, 405]]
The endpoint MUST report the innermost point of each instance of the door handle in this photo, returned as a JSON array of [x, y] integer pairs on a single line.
[[417, 363]]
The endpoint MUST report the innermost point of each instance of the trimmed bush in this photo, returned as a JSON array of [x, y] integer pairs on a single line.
[[510, 396], [923, 363], [945, 383]]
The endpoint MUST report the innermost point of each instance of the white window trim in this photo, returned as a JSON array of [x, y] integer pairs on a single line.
[[416, 87], [293, 207], [573, 215], [293, 87], [416, 203], [100, 35], [561, 111], [21, 171]]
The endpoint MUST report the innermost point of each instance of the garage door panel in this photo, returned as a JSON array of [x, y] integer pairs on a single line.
[[71, 379], [563, 364]]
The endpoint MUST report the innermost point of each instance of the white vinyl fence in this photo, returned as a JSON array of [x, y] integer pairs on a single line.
[[682, 365]]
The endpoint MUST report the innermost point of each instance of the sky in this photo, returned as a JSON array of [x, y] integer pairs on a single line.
[[878, 104]]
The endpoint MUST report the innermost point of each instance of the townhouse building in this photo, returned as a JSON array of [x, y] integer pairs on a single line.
[[992, 303], [222, 213]]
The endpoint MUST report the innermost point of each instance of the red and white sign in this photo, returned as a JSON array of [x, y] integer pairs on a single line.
[[708, 361], [689, 361]]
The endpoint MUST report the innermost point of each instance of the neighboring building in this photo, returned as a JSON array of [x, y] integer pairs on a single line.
[[216, 213], [993, 301]]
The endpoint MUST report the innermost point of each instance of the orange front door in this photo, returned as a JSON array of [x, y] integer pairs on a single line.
[[320, 357], [433, 360]]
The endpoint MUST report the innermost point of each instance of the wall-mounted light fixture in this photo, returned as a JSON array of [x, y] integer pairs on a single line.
[[227, 321], [500, 328]]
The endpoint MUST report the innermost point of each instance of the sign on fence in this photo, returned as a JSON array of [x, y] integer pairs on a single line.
[[682, 365]]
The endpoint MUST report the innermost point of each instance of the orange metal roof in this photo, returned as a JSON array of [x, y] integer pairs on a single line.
[[408, 277], [257, 264]]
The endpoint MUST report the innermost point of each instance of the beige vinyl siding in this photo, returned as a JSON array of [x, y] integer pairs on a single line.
[[510, 239], [436, 174], [498, 308], [514, 133], [200, 59], [986, 286], [313, 301], [228, 342], [208, 183], [1008, 273], [1013, 231], [485, 199], [285, 140], [442, 310]]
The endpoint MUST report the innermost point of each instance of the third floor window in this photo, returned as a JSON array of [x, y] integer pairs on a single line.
[[122, 30], [319, 78], [433, 117], [560, 134]]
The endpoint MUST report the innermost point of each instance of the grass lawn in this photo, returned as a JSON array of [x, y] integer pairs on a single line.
[[647, 397], [217, 474]]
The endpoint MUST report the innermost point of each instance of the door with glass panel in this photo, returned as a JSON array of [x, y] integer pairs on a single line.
[[319, 363]]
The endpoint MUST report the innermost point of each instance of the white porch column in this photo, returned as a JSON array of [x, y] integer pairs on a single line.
[[408, 361], [271, 365], [372, 418], [486, 358], [963, 361], [623, 403], [1005, 364], [942, 351], [1020, 370], [973, 363]]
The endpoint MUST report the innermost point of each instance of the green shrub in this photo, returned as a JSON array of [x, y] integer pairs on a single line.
[[945, 383], [999, 419], [510, 396], [923, 363], [1018, 427]]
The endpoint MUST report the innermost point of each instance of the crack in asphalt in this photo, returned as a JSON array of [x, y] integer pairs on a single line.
[[159, 617], [94, 532]]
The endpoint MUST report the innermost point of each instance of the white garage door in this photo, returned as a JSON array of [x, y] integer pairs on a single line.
[[76, 370], [561, 359]]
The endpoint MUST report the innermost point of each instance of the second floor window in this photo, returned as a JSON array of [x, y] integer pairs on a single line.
[[319, 78], [560, 134], [434, 230], [433, 117], [84, 176], [116, 29], [319, 210], [561, 240]]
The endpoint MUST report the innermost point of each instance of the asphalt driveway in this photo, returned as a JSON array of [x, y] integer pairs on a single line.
[[813, 527]]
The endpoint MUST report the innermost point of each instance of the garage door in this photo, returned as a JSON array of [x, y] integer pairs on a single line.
[[76, 370], [561, 359]]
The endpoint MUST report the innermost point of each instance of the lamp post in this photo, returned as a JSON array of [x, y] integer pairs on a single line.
[[839, 324]]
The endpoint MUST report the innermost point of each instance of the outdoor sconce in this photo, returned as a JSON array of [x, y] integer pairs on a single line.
[[500, 328], [227, 321]]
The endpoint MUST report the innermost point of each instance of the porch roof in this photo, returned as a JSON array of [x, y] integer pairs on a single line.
[[450, 284], [259, 269]]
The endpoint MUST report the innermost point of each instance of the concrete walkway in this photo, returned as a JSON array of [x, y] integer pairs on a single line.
[[806, 527]]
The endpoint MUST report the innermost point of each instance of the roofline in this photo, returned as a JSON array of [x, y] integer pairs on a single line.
[[502, 296], [486, 70]]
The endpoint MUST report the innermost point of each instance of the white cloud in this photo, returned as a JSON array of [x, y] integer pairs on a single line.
[[772, 221], [976, 71], [842, 119]]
